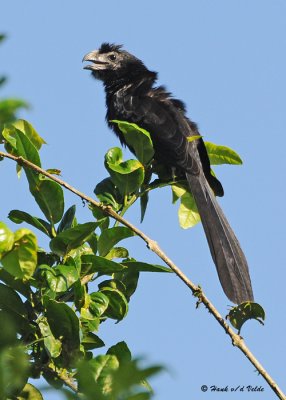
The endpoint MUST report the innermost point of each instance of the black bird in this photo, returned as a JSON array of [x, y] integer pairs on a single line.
[[131, 96]]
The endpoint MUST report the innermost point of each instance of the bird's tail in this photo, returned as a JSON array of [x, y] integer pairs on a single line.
[[225, 249]]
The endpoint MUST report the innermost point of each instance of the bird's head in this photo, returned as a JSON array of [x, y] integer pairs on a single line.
[[110, 62]]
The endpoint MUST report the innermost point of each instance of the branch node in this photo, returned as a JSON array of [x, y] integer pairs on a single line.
[[152, 245], [236, 340]]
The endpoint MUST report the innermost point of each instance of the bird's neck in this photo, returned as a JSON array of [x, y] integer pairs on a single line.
[[138, 83]]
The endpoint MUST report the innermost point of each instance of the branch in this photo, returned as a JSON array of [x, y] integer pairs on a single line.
[[236, 339], [64, 377]]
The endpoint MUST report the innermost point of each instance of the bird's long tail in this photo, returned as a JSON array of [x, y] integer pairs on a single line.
[[225, 249]]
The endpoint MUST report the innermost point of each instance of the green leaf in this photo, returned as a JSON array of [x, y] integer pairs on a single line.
[[128, 175], [117, 252], [121, 351], [92, 264], [67, 220], [72, 238], [61, 277], [18, 217], [91, 341], [14, 369], [30, 393], [188, 212], [110, 237], [54, 171], [9, 108], [6, 239], [79, 292], [193, 138], [16, 284], [248, 310], [129, 278], [114, 156], [145, 267], [11, 302], [23, 147], [21, 261], [117, 306], [138, 139], [108, 194], [64, 324], [30, 132], [128, 376], [98, 303], [94, 376], [178, 191], [222, 154], [50, 198], [52, 345], [8, 331]]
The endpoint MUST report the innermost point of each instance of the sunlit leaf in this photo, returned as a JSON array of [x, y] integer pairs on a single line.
[[21, 261], [30, 132], [117, 252], [6, 238], [188, 212], [30, 393], [53, 346], [137, 139], [193, 138], [178, 191], [128, 175], [222, 154], [98, 303]]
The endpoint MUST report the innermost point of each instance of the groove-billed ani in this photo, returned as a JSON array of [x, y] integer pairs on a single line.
[[131, 96]]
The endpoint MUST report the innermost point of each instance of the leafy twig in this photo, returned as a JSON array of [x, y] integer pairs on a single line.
[[236, 339]]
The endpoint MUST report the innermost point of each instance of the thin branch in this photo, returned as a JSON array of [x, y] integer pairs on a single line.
[[64, 377], [236, 339]]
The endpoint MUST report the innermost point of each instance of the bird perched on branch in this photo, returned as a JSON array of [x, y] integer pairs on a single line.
[[131, 96]]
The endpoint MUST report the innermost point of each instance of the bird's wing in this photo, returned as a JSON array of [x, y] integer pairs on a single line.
[[168, 128]]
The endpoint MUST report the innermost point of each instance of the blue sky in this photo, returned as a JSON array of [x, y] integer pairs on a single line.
[[226, 60]]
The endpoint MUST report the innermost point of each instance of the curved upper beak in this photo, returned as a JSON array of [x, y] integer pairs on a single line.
[[96, 59]]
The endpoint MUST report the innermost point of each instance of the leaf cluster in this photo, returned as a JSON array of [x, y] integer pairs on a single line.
[[54, 302]]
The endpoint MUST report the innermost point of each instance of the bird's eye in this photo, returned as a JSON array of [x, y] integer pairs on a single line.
[[112, 57]]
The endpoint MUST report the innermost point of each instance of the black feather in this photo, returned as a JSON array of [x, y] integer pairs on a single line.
[[108, 47]]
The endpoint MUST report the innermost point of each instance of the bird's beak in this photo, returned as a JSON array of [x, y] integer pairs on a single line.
[[97, 60]]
